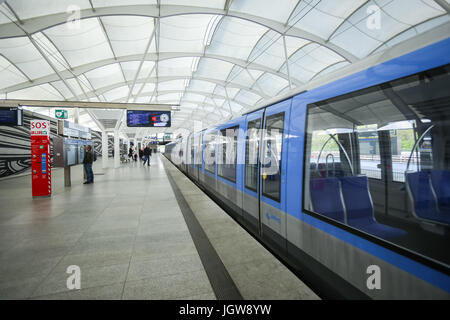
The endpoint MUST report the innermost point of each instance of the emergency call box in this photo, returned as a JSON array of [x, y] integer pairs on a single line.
[[41, 181]]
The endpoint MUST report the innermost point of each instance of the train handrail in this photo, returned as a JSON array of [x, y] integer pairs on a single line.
[[326, 164], [415, 146], [342, 148]]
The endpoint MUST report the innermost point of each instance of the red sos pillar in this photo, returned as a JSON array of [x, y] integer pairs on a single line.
[[41, 179]]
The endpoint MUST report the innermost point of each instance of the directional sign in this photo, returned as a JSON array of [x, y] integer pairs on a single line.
[[61, 114]]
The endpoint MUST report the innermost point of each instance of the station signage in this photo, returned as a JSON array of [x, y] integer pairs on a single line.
[[40, 128], [61, 114], [73, 130]]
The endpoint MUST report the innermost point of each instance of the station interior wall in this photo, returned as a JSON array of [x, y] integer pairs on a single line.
[[15, 152]]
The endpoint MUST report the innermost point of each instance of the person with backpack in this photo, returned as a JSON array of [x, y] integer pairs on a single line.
[[130, 152], [87, 164], [147, 154]]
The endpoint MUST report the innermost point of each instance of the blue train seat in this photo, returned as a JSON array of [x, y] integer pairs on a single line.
[[326, 198], [423, 200], [360, 211], [440, 180]]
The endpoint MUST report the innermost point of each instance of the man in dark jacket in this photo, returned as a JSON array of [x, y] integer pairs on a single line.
[[87, 164], [147, 154]]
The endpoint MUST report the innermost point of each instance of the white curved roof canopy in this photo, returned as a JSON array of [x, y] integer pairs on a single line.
[[215, 58]]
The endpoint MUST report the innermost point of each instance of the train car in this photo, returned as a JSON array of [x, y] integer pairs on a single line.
[[347, 183]]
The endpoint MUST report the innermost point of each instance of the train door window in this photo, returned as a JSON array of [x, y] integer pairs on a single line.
[[210, 152], [227, 153], [393, 144], [271, 160], [252, 154], [198, 158]]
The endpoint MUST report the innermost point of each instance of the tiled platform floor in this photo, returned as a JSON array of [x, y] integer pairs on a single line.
[[255, 271], [125, 231], [127, 234]]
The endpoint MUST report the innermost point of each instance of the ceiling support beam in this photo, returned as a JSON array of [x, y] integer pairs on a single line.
[[76, 71], [160, 11], [204, 94], [228, 101], [20, 70], [263, 94], [83, 104], [110, 45], [62, 78], [13, 13], [217, 108], [94, 118], [143, 83], [150, 40], [101, 91], [286, 57], [444, 5], [157, 26]]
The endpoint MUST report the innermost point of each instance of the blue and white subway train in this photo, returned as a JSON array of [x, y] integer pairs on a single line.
[[359, 201]]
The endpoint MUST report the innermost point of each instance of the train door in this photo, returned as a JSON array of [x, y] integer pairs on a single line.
[[197, 154], [191, 156], [272, 208], [250, 187]]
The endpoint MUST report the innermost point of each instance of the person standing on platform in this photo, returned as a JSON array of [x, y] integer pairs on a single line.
[[130, 153], [87, 164], [147, 154]]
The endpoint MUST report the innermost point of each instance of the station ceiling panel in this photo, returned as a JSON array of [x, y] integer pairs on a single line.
[[219, 57]]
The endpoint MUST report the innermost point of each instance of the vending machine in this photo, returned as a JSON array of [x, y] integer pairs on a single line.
[[41, 179]]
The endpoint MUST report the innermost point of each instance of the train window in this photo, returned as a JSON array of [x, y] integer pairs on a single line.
[[226, 165], [251, 154], [403, 137], [271, 160], [378, 160], [325, 154], [210, 152]]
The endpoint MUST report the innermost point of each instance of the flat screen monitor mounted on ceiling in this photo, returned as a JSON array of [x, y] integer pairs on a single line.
[[145, 118]]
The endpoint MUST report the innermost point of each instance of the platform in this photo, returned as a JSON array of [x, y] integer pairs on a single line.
[[136, 233]]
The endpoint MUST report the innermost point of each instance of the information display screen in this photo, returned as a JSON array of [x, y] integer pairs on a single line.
[[11, 116], [71, 149], [140, 118]]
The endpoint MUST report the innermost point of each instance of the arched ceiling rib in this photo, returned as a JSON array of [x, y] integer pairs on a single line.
[[42, 23], [162, 81], [79, 70], [237, 52]]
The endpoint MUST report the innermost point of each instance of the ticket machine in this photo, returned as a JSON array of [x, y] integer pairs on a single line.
[[41, 179]]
